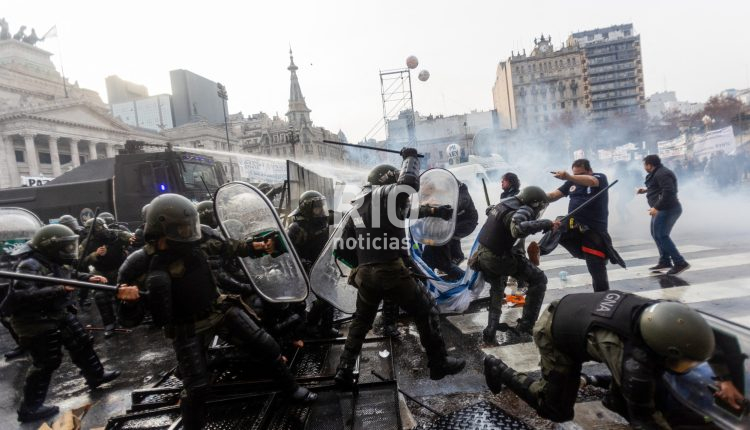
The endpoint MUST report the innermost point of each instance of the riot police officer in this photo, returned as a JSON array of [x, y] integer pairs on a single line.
[[382, 272], [637, 338], [512, 219], [72, 223], [309, 234], [42, 318], [106, 251], [112, 223], [183, 298], [206, 213]]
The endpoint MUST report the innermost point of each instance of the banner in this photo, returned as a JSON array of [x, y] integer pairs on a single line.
[[258, 170], [673, 148], [34, 181], [721, 140]]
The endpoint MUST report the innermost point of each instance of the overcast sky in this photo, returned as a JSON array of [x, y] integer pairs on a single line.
[[694, 48]]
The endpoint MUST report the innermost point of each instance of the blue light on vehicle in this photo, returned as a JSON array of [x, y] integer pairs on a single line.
[[162, 187]]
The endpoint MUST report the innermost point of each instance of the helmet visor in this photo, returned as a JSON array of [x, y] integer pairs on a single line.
[[188, 231], [68, 248], [319, 208]]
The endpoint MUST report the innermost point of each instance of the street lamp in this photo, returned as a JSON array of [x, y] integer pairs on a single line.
[[222, 92], [293, 137]]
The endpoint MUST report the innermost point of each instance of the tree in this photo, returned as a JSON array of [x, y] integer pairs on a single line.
[[724, 110]]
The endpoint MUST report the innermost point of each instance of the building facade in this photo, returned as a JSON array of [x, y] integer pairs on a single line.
[[613, 71], [195, 99], [534, 90], [48, 126], [120, 90], [596, 74], [151, 113]]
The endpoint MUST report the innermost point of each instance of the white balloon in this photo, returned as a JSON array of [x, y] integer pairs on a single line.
[[412, 62], [424, 75]]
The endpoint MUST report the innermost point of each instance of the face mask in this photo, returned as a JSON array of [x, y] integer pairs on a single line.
[[181, 248]]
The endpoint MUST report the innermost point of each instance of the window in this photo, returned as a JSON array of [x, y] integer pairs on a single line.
[[82, 159], [562, 105], [65, 158], [440, 156], [45, 158], [20, 156]]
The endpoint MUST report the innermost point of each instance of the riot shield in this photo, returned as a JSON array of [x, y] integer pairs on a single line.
[[17, 226], [244, 213], [437, 187], [329, 275]]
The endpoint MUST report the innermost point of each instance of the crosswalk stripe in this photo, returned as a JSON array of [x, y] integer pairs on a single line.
[[525, 357], [703, 292], [620, 274], [627, 256]]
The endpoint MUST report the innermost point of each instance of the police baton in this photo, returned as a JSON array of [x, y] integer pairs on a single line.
[[62, 281], [486, 194], [588, 202]]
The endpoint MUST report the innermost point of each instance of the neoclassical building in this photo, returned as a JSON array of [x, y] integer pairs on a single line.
[[48, 126]]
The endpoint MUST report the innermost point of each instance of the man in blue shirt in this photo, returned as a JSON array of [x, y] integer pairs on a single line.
[[585, 235]]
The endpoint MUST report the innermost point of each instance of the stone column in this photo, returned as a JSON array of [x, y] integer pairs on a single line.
[[92, 150], [10, 153], [74, 155], [32, 158], [55, 156], [110, 149]]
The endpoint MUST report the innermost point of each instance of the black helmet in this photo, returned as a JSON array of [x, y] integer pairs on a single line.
[[69, 221], [535, 198], [108, 218], [678, 333], [312, 204], [174, 217], [383, 174], [100, 225], [206, 213], [56, 242]]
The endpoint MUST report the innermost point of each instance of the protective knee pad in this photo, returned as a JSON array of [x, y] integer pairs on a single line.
[[240, 326], [559, 396], [74, 335], [46, 352]]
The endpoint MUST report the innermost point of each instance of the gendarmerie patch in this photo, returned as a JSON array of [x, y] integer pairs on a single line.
[[608, 304]]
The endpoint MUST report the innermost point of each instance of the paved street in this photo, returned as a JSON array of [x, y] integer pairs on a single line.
[[717, 283]]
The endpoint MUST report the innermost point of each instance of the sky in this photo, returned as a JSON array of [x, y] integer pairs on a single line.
[[694, 48]]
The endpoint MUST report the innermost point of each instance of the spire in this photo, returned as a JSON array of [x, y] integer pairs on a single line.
[[298, 113]]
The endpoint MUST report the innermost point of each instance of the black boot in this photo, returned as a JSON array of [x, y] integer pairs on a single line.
[[449, 366], [493, 324], [106, 376], [28, 414], [389, 317], [193, 408], [289, 385], [327, 330], [534, 299], [493, 369], [14, 353]]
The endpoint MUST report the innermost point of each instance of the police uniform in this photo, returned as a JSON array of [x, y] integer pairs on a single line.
[[602, 327], [183, 297], [309, 237], [585, 235], [117, 242], [43, 318], [496, 258], [381, 272]]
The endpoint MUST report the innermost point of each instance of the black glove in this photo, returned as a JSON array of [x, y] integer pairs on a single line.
[[445, 212], [408, 152]]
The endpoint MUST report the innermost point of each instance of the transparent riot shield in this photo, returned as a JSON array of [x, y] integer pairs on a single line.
[[330, 273], [437, 187], [17, 226], [244, 213]]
